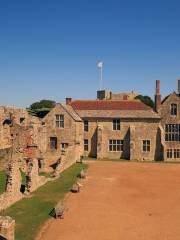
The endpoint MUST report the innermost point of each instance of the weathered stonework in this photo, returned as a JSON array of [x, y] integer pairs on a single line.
[[33, 179], [7, 228], [13, 186]]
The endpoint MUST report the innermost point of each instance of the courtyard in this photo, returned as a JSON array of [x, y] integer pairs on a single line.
[[122, 200]]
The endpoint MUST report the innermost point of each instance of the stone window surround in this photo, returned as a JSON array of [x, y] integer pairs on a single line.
[[172, 132], [53, 143], [59, 120], [86, 125], [64, 146], [116, 124], [115, 145], [173, 153], [173, 109], [86, 145], [146, 145]]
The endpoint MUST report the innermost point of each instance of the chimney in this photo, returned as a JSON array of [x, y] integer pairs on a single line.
[[68, 101], [157, 96], [179, 86]]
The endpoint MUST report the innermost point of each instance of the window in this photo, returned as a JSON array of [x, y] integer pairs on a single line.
[[146, 145], [64, 146], [60, 121], [116, 145], [173, 153], [172, 132], [53, 143], [116, 124], [86, 147], [86, 126], [176, 153], [174, 109]]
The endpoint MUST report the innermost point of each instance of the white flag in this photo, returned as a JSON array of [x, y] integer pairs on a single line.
[[100, 64]]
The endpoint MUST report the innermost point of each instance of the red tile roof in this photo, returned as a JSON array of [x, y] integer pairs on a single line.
[[108, 105]]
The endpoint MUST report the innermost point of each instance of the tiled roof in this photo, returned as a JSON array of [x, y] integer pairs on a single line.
[[126, 114], [108, 105], [113, 109]]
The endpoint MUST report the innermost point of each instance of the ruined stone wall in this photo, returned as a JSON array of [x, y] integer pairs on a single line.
[[7, 228], [34, 181], [12, 193], [4, 158]]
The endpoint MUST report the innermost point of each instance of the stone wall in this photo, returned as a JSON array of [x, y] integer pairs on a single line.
[[133, 132], [4, 158], [167, 118], [12, 193], [7, 228], [71, 135]]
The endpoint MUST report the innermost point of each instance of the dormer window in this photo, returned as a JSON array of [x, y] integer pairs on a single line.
[[173, 109]]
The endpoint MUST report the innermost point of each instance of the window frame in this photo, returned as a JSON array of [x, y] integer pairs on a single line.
[[174, 109], [53, 146], [173, 153], [64, 146], [172, 132], [86, 126], [146, 145], [116, 124], [59, 120], [86, 145], [116, 145]]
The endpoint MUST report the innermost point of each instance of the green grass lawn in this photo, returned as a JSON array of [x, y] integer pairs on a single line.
[[2, 181], [31, 213]]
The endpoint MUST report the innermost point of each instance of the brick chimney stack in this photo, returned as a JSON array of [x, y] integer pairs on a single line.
[[68, 101], [179, 86], [157, 96]]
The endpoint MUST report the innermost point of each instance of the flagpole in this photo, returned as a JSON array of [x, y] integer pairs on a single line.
[[100, 65], [101, 78]]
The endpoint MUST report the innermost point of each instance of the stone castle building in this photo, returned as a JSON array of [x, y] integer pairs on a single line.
[[112, 126], [122, 127]]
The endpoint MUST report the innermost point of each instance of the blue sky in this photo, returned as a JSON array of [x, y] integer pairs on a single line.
[[49, 48]]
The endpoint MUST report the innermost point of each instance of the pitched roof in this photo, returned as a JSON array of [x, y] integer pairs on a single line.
[[68, 109], [71, 112], [125, 114], [113, 109], [108, 105], [174, 93]]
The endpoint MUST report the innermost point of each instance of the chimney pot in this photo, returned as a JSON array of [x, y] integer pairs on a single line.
[[68, 101]]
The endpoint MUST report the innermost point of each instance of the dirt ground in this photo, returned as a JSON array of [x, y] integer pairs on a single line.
[[119, 200]]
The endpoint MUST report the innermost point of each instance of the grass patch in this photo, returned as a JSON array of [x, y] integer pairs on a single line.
[[31, 213], [47, 175], [2, 181]]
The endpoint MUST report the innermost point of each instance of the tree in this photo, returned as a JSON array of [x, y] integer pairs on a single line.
[[146, 100], [42, 104]]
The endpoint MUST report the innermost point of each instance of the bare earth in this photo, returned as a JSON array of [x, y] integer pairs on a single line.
[[122, 201]]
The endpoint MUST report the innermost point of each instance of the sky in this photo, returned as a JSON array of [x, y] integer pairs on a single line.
[[49, 49]]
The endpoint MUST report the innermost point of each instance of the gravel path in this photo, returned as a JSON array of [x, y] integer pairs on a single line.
[[119, 200]]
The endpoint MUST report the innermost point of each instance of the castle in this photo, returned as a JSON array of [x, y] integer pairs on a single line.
[[112, 126]]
